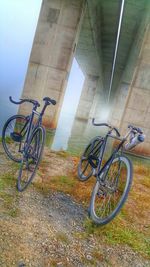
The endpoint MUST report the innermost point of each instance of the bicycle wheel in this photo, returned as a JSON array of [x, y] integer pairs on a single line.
[[31, 158], [13, 136], [111, 190], [89, 159]]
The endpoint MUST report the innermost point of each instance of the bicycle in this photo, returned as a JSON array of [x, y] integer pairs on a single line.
[[23, 140], [113, 176]]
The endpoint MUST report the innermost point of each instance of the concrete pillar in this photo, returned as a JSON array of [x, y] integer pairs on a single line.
[[117, 108], [137, 109], [52, 54], [81, 130], [120, 97]]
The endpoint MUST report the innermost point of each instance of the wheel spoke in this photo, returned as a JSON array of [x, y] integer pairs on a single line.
[[85, 168], [86, 165], [108, 196], [33, 154], [10, 144]]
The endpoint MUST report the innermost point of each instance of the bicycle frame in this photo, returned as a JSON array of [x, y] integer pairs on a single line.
[[32, 127], [112, 156]]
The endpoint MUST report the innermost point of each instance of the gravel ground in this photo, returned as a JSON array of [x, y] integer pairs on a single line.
[[49, 231]]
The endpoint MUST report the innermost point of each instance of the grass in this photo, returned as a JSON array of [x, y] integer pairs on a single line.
[[62, 153], [62, 237], [63, 182], [8, 200], [98, 255], [81, 192], [6, 180], [120, 232], [130, 227]]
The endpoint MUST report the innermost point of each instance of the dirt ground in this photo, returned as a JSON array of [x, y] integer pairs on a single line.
[[41, 230]]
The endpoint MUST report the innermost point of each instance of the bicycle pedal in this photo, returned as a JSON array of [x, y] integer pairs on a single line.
[[99, 194]]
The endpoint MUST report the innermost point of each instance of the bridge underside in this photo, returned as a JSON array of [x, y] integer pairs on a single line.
[[87, 31], [97, 40], [94, 53]]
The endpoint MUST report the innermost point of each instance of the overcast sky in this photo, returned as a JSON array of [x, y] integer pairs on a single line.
[[69, 107], [18, 20]]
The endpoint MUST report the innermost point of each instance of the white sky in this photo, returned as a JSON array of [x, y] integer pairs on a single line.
[[69, 107], [18, 20]]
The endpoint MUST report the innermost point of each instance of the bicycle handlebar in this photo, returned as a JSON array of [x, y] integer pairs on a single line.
[[135, 134], [15, 102], [136, 129], [100, 124], [107, 125], [47, 100], [34, 102]]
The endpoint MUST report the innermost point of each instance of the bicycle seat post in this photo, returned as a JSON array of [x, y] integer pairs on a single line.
[[44, 108], [48, 101]]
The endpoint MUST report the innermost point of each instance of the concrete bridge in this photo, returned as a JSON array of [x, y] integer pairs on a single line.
[[87, 31]]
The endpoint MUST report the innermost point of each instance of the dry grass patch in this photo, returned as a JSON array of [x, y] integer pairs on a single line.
[[8, 200], [62, 237], [120, 232], [132, 226], [81, 192]]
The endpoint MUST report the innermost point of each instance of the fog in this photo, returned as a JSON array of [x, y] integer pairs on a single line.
[[18, 20]]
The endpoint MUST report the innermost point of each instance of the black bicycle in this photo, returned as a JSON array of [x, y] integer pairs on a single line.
[[23, 140], [113, 176]]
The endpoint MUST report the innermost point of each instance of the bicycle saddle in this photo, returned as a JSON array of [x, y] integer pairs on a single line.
[[49, 100]]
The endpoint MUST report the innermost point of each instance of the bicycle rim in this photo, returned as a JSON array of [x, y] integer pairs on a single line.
[[85, 169], [109, 196], [31, 159], [13, 136]]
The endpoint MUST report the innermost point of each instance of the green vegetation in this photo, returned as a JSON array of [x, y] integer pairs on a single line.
[[120, 232], [8, 200], [57, 183], [138, 161], [62, 181], [6, 180], [98, 255], [62, 237], [49, 137], [130, 226], [62, 153]]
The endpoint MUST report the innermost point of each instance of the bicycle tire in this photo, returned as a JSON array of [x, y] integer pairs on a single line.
[[93, 147], [7, 140], [92, 210], [21, 183]]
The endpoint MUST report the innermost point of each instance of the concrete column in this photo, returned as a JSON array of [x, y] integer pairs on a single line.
[[122, 92], [117, 108], [137, 109], [51, 55], [81, 130]]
